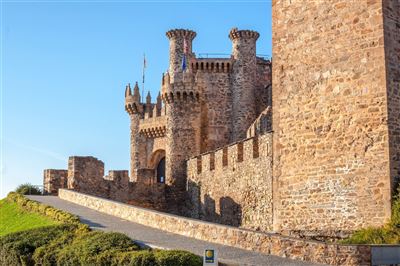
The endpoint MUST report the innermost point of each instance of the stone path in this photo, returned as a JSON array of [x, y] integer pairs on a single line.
[[160, 239]]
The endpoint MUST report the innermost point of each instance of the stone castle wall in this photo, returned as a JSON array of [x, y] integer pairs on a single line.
[[53, 179], [216, 106], [233, 185], [330, 119], [86, 175], [391, 22]]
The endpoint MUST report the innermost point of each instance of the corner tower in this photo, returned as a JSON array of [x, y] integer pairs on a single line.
[[183, 110], [336, 113], [244, 79]]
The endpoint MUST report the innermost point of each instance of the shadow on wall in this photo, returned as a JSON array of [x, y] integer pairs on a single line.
[[230, 212]]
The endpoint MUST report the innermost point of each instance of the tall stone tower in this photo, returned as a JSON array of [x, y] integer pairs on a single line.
[[244, 80], [135, 110], [183, 110], [336, 118]]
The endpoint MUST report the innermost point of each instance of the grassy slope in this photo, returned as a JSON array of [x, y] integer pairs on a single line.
[[13, 218]]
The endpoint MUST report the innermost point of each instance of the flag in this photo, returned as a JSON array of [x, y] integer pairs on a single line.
[[184, 62], [144, 65], [185, 51]]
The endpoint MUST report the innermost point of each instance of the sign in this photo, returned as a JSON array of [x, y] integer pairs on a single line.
[[210, 257]]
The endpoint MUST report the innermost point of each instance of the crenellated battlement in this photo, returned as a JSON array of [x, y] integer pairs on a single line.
[[153, 127], [181, 33], [233, 185], [217, 65], [232, 155], [182, 89], [243, 34], [146, 110]]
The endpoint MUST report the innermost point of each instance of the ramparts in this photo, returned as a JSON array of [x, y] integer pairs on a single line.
[[233, 185], [86, 175]]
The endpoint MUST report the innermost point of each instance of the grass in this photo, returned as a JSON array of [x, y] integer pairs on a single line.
[[13, 218]]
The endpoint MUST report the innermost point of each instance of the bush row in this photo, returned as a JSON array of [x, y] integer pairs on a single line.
[[36, 207], [68, 245]]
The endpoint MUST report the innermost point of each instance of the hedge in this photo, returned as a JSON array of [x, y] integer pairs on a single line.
[[36, 207], [73, 243]]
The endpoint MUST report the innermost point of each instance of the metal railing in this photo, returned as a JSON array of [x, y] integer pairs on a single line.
[[222, 55]]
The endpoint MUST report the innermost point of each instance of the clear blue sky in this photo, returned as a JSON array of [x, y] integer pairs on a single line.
[[65, 66]]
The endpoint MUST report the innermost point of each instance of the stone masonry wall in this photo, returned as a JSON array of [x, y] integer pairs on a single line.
[[86, 175], [273, 244], [216, 108], [53, 179], [330, 119], [233, 185], [391, 21]]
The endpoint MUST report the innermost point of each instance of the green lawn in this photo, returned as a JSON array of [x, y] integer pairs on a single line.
[[13, 218]]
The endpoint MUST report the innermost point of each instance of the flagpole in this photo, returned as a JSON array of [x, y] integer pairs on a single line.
[[144, 66]]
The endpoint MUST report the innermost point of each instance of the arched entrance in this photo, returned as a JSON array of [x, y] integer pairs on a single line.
[[157, 162], [160, 171]]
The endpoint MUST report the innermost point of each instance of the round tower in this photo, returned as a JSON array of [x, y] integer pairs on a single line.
[[182, 102], [243, 80], [180, 44], [135, 110]]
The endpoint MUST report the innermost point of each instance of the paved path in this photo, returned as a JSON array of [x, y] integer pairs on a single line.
[[161, 239]]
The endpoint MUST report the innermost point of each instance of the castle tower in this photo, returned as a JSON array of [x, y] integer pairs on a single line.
[[244, 71], [135, 110], [183, 112], [180, 43], [336, 117]]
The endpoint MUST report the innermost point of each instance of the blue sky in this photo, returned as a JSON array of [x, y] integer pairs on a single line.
[[65, 65]]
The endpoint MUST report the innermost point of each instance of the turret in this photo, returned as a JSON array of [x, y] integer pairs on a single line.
[[243, 80], [132, 102], [180, 43], [134, 108], [158, 104], [184, 115], [149, 106]]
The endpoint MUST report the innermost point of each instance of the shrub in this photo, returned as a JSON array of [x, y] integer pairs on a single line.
[[149, 258], [86, 248], [28, 189], [135, 258], [18, 248], [388, 234], [177, 258]]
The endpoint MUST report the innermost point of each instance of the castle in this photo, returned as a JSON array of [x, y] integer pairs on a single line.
[[308, 146]]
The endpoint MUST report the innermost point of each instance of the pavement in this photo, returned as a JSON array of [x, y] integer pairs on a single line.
[[155, 238]]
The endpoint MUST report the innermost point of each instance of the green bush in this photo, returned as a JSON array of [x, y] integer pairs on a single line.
[[18, 248], [177, 258], [388, 234], [84, 249], [135, 258], [28, 189]]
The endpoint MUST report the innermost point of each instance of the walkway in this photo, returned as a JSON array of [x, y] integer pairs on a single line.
[[161, 239]]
